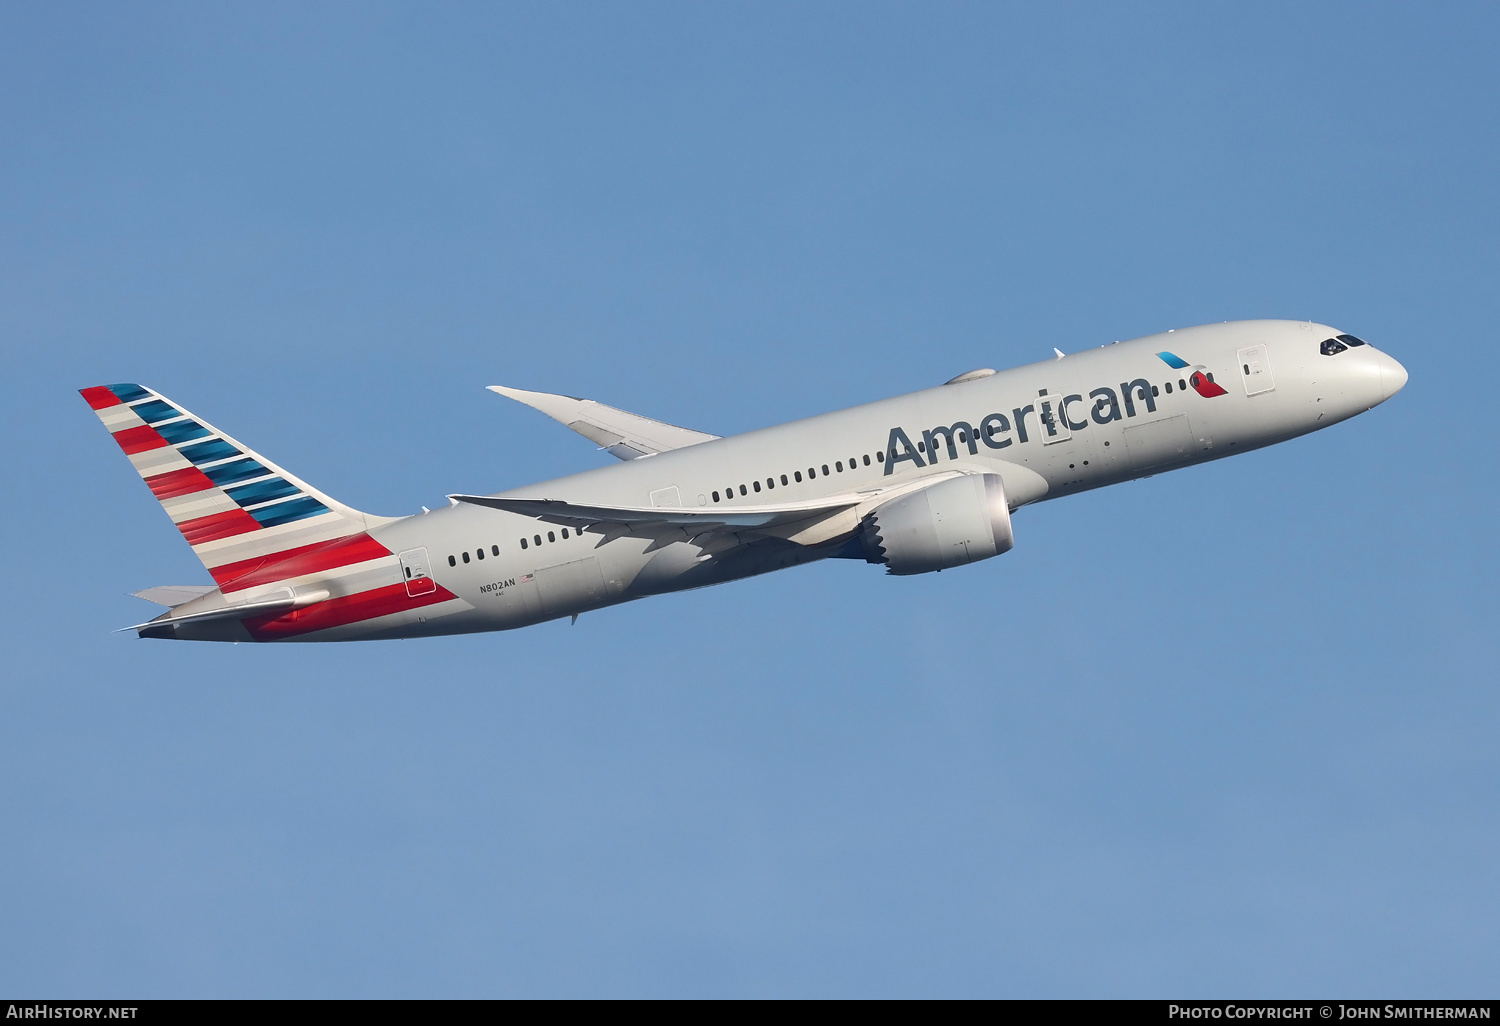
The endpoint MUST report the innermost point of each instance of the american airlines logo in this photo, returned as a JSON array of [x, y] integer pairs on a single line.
[[1054, 417], [1202, 383]]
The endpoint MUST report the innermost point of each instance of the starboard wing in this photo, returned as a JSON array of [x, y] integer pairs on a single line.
[[625, 436]]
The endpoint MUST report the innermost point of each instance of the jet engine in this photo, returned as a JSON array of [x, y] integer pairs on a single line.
[[953, 522]]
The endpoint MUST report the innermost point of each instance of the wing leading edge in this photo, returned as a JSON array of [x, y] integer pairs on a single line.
[[625, 436]]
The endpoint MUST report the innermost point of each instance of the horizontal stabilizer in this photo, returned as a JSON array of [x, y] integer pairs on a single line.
[[174, 594], [286, 599], [623, 435]]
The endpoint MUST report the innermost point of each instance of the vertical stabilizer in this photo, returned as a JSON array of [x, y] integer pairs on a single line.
[[240, 512]]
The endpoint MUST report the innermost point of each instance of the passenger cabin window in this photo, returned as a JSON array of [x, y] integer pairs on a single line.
[[1332, 347], [716, 496], [565, 533], [479, 553], [1169, 388], [494, 550], [551, 537], [867, 461], [783, 479], [452, 561], [839, 466], [756, 485], [798, 476], [523, 543], [466, 557], [537, 538], [742, 490]]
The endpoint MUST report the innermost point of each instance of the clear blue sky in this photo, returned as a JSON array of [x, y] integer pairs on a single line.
[[1228, 731]]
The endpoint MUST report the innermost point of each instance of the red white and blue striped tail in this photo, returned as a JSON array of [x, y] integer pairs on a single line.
[[239, 511]]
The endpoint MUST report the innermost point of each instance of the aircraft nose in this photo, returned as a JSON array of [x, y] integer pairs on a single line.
[[1392, 376]]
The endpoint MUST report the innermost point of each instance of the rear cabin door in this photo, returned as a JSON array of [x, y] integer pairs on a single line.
[[416, 571], [1255, 368]]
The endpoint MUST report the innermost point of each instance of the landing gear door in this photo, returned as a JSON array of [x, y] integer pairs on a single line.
[[416, 572], [1255, 368]]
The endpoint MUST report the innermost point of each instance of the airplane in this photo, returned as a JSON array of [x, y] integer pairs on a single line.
[[919, 483]]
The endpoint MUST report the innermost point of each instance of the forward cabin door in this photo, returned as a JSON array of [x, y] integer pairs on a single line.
[[1255, 368], [416, 572]]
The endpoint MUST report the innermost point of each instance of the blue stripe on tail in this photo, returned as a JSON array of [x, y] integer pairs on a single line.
[[128, 393], [286, 512], [207, 452], [155, 411], [263, 491], [182, 431], [226, 474]]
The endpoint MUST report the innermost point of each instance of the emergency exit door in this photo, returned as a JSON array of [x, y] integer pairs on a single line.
[[1054, 422], [415, 570]]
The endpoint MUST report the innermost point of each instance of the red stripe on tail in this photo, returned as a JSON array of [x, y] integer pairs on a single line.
[[139, 439], [99, 397], [337, 612], [305, 559], [217, 525], [179, 482]]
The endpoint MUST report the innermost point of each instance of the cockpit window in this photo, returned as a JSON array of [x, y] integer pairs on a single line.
[[1332, 347], [1350, 340]]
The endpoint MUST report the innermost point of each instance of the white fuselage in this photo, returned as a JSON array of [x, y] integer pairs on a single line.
[[1048, 429], [1302, 391]]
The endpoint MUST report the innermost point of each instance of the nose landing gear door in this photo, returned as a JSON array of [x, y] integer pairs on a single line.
[[415, 571]]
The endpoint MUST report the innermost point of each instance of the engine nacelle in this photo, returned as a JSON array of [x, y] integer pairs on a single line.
[[954, 522]]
